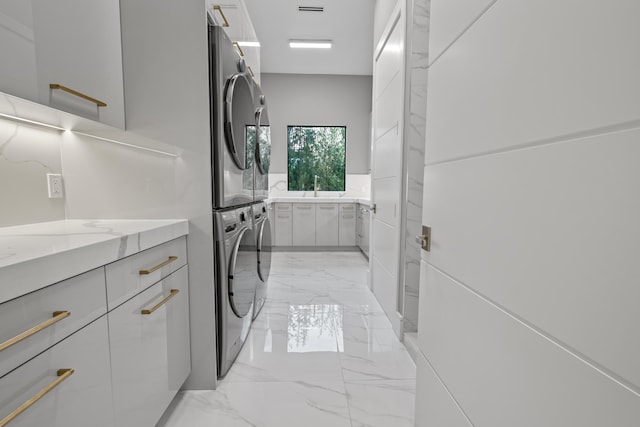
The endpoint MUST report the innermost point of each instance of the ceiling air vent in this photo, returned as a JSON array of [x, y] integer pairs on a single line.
[[310, 9]]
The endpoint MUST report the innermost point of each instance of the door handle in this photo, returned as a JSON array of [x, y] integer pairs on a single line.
[[424, 239]]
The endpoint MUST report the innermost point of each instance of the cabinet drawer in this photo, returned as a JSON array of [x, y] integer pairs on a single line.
[[283, 207], [79, 400], [83, 297], [124, 277], [150, 354]]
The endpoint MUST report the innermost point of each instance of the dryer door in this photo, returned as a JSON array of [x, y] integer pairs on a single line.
[[263, 150], [242, 273], [264, 249], [238, 115]]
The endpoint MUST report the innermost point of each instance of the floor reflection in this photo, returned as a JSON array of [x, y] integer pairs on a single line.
[[315, 327]]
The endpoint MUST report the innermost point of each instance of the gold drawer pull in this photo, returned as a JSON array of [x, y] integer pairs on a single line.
[[303, 207], [161, 303], [283, 216], [224, 18], [327, 207], [159, 266], [251, 71], [237, 45], [78, 94], [63, 374], [57, 316]]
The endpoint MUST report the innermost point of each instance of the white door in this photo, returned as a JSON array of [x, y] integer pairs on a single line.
[[529, 297], [388, 113]]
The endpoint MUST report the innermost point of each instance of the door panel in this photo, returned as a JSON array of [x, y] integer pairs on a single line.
[[243, 274], [559, 234], [388, 113]]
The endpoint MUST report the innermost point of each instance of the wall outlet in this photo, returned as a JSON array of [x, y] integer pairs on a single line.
[[54, 185]]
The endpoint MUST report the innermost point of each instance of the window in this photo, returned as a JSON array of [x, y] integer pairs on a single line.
[[316, 151]]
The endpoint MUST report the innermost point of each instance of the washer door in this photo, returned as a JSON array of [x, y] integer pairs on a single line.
[[242, 273], [263, 149], [238, 114], [264, 250]]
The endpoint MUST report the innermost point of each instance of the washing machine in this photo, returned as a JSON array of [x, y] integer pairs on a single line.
[[236, 257], [262, 229], [232, 118], [262, 152]]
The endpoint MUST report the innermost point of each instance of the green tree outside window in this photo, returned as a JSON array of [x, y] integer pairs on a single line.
[[316, 151]]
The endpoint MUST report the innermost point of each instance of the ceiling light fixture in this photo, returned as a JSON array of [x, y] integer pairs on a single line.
[[249, 44], [310, 44], [31, 122]]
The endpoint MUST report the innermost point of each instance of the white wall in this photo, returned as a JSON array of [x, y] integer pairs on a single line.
[[297, 99], [528, 298]]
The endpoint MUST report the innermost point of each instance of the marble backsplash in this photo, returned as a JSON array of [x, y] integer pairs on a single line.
[[357, 186], [27, 154]]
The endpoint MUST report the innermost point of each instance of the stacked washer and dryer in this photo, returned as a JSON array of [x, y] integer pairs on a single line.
[[240, 150]]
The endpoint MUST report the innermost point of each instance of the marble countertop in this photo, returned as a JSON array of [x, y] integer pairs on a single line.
[[34, 256], [284, 199]]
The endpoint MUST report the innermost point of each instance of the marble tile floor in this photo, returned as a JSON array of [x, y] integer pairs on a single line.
[[321, 353]]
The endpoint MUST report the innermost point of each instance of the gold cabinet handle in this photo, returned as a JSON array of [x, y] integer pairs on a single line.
[[303, 207], [251, 71], [283, 216], [57, 316], [63, 374], [172, 294], [159, 266], [236, 44], [327, 207], [224, 18], [78, 94]]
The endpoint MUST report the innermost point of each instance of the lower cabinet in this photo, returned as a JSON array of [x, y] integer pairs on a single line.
[[76, 371], [304, 224], [347, 221], [283, 224], [326, 224], [150, 350]]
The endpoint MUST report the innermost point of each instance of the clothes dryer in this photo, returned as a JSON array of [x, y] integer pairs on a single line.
[[232, 114], [236, 259], [262, 227], [262, 150]]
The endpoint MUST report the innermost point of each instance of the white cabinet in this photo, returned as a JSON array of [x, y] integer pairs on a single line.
[[304, 224], [73, 44], [64, 307], [364, 223], [150, 352], [233, 16], [149, 342], [327, 224], [347, 225], [77, 372], [283, 224]]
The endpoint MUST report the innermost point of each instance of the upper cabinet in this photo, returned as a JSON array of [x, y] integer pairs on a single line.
[[233, 16], [65, 54]]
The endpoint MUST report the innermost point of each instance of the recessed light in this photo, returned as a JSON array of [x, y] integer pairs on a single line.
[[310, 44]]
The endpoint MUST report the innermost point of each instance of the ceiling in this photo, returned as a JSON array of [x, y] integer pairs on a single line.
[[348, 23]]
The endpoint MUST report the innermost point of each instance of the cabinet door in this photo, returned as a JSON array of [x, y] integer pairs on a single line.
[[347, 220], [366, 224], [71, 304], [150, 352], [78, 400], [304, 225], [283, 224], [327, 224], [78, 45]]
